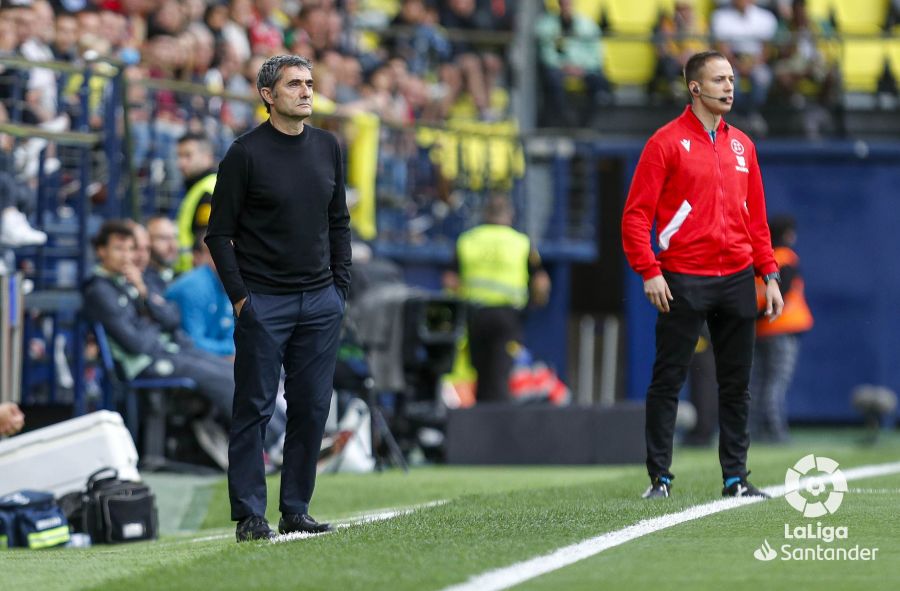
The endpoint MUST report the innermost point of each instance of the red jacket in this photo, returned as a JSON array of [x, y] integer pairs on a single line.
[[707, 201]]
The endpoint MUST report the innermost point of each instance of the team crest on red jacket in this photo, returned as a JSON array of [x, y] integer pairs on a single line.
[[737, 147]]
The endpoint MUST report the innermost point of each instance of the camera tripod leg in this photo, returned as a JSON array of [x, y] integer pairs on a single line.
[[382, 433]]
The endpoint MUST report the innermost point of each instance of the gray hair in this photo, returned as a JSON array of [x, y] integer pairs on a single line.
[[270, 72]]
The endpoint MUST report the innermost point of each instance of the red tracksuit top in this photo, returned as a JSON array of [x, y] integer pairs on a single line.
[[706, 199]]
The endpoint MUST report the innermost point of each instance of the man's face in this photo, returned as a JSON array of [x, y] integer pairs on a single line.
[[717, 80], [141, 247], [193, 158], [292, 95], [117, 255], [163, 242], [66, 32]]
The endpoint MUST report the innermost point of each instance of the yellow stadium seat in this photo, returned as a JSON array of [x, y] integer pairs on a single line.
[[705, 8], [632, 16], [667, 6], [589, 8], [893, 45], [389, 8], [628, 61], [860, 16], [862, 62], [819, 10]]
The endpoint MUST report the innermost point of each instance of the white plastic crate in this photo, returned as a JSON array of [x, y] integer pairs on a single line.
[[59, 458]]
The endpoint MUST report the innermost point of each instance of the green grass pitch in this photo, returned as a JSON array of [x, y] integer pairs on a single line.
[[497, 517]]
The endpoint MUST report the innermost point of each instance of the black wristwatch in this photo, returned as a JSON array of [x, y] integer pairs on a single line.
[[769, 276]]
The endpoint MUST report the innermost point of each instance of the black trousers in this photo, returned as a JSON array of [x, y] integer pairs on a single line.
[[491, 330], [301, 332], [728, 305]]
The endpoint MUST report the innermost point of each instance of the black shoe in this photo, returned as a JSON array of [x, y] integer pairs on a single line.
[[301, 522], [660, 488], [742, 488], [253, 528]]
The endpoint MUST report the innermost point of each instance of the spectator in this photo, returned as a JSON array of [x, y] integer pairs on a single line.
[[497, 266], [11, 419], [265, 31], [778, 342], [569, 48], [36, 31], [744, 33], [678, 36], [163, 252], [234, 31], [140, 344], [417, 41], [803, 76], [206, 313], [65, 41], [196, 163], [147, 281], [15, 231], [465, 17]]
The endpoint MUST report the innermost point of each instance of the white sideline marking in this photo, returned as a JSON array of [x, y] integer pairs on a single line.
[[371, 517], [382, 515], [506, 577]]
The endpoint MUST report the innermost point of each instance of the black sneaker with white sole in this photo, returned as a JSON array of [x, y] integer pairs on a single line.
[[660, 488], [253, 528], [742, 488]]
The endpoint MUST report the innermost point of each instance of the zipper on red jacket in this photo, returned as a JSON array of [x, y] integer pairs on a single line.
[[721, 201]]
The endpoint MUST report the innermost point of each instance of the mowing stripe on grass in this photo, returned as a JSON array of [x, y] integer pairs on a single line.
[[518, 573]]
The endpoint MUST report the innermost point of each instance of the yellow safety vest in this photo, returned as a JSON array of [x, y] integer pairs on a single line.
[[493, 265], [187, 212]]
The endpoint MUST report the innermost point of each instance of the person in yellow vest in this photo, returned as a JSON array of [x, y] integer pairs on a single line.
[[778, 342], [196, 162], [496, 270]]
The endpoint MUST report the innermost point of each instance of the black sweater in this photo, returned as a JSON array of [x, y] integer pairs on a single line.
[[279, 222]]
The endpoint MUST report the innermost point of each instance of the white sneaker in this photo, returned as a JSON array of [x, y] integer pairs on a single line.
[[212, 439], [16, 231]]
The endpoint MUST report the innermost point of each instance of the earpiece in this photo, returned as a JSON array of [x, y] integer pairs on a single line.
[[695, 90]]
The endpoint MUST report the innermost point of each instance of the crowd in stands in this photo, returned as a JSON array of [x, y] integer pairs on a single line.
[[442, 62], [783, 51], [404, 61]]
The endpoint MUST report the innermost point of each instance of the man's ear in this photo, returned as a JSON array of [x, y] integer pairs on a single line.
[[266, 93]]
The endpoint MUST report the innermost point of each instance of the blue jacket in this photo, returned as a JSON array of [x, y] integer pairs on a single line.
[[206, 312]]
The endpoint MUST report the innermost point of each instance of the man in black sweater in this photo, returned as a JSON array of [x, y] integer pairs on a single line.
[[279, 233]]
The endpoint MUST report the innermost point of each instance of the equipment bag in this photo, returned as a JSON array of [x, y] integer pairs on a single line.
[[31, 519], [115, 511]]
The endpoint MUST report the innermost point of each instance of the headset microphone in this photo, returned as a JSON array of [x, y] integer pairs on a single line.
[[721, 99]]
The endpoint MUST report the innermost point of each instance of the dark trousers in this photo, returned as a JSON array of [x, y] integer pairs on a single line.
[[774, 360], [299, 331], [728, 305], [491, 330]]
